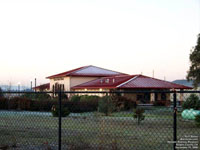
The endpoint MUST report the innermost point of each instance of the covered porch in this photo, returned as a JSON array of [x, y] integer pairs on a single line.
[[156, 98]]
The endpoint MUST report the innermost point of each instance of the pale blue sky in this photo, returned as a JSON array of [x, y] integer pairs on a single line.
[[39, 38]]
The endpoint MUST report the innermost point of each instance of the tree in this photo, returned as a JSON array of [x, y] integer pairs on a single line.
[[139, 114], [106, 105], [194, 71], [197, 120], [192, 102]]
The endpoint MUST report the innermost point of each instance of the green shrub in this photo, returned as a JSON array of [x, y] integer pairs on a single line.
[[83, 103], [106, 105], [129, 104], [24, 104], [123, 103], [43, 96], [192, 102], [75, 98], [89, 98], [64, 111], [139, 114], [197, 120], [36, 96], [3, 103], [84, 98], [79, 107], [44, 105], [19, 103], [1, 93]]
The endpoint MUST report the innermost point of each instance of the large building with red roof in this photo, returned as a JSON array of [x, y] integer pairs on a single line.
[[78, 76], [92, 78]]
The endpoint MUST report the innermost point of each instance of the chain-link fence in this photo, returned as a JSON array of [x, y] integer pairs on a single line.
[[131, 120]]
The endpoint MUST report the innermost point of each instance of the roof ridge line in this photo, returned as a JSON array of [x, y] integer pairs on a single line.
[[164, 81], [79, 69], [168, 82], [109, 70], [127, 81]]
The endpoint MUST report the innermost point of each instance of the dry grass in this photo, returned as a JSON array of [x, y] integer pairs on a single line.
[[93, 132]]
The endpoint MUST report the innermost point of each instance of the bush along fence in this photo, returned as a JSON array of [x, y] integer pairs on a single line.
[[118, 120]]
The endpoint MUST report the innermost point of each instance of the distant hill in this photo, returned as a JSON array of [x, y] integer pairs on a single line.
[[183, 82]]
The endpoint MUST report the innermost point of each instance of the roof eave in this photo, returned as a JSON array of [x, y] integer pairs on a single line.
[[154, 88], [75, 88]]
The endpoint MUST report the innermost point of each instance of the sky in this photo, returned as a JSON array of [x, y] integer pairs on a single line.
[[39, 38]]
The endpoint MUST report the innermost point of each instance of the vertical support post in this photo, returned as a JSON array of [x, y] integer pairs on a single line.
[[19, 88], [60, 119], [35, 84], [106, 93], [31, 86], [175, 121], [152, 97], [181, 97]]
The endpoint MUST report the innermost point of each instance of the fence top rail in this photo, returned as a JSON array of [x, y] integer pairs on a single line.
[[98, 92]]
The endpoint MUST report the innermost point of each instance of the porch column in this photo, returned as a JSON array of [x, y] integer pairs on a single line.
[[152, 97], [181, 97]]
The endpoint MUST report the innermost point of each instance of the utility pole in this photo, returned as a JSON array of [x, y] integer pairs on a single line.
[[35, 84], [153, 73], [18, 88], [31, 85]]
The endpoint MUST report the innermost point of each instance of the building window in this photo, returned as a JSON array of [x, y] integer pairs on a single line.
[[107, 80]]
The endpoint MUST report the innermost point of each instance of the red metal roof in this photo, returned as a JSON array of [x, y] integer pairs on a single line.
[[64, 73], [145, 82], [88, 71], [105, 82], [43, 86], [130, 82]]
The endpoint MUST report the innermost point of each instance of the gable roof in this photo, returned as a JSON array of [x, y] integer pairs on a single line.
[[105, 82], [43, 86], [130, 82], [88, 71], [147, 82]]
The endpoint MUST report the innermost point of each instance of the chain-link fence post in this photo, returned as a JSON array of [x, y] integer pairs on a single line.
[[175, 120], [60, 119]]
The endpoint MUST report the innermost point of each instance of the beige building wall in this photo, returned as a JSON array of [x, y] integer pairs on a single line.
[[70, 81], [95, 90], [64, 80], [38, 90]]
